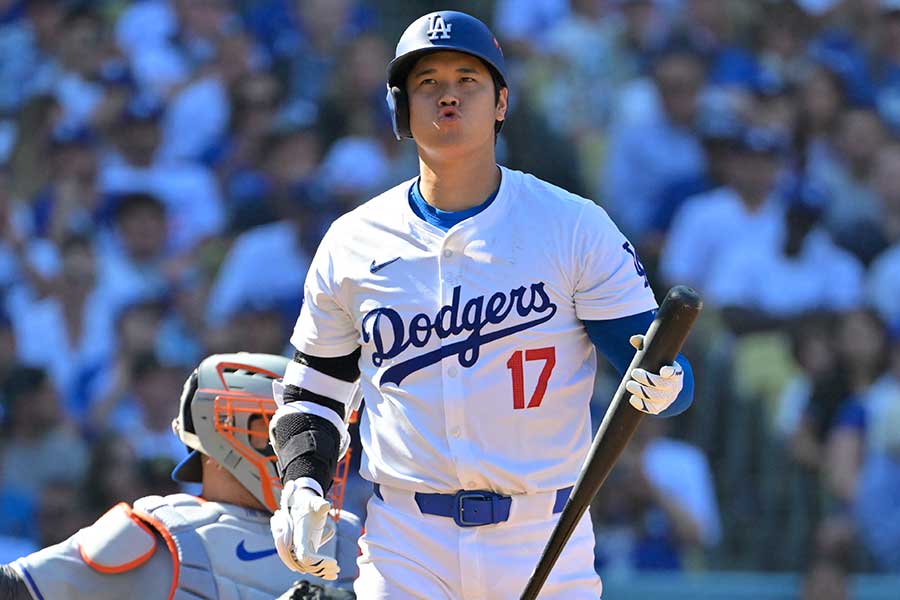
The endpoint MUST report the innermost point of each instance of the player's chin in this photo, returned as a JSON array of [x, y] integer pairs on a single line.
[[444, 139]]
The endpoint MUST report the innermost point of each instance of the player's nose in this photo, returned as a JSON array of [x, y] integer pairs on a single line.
[[448, 99]]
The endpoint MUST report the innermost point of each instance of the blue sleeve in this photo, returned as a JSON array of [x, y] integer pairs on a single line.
[[611, 339]]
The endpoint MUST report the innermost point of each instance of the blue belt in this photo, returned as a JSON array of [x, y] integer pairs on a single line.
[[473, 508]]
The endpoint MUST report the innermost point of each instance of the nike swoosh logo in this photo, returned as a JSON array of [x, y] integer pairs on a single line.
[[246, 555], [373, 268]]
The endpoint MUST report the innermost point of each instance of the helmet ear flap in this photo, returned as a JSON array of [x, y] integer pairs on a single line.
[[399, 105]]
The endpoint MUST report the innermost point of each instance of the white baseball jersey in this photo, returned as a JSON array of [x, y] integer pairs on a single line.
[[475, 366]]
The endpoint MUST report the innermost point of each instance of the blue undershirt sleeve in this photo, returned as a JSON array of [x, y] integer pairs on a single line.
[[611, 339]]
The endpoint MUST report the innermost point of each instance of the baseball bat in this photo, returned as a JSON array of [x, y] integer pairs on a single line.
[[662, 343]]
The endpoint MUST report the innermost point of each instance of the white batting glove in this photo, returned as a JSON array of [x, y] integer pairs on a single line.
[[300, 527], [653, 393]]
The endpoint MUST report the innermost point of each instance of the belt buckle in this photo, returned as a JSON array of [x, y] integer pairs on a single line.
[[462, 495]]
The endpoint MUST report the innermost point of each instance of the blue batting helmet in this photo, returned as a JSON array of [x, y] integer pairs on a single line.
[[434, 32]]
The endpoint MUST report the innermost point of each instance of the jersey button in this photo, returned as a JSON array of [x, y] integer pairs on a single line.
[[448, 253], [456, 432], [452, 371]]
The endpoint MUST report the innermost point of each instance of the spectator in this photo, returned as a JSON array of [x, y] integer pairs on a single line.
[[712, 30], [326, 27], [637, 172], [747, 207], [761, 283], [247, 267], [114, 473], [719, 127], [521, 26], [877, 502], [146, 413], [883, 286], [34, 127], [810, 401], [28, 35], [167, 42], [69, 332], [261, 327], [821, 101], [60, 511], [83, 47], [40, 444], [854, 212], [577, 93], [70, 202], [291, 158], [663, 490], [254, 101], [189, 191], [364, 157], [886, 63], [134, 262], [782, 40], [198, 113], [863, 347], [137, 335]]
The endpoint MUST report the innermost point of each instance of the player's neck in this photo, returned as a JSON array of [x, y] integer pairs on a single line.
[[457, 185], [221, 486]]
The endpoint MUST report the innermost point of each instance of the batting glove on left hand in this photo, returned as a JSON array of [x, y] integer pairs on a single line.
[[300, 527], [653, 393]]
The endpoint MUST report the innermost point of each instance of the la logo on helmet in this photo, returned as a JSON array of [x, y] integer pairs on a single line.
[[438, 29]]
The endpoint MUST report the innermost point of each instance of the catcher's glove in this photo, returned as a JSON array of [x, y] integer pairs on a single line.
[[304, 590]]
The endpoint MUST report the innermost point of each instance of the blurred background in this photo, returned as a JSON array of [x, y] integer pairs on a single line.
[[167, 168]]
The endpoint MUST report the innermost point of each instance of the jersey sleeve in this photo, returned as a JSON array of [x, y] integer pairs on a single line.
[[325, 327], [609, 279], [60, 572]]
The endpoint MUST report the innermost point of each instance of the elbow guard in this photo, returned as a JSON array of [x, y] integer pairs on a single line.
[[12, 587], [307, 446]]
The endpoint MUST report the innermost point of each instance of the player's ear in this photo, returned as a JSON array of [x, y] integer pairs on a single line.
[[502, 104]]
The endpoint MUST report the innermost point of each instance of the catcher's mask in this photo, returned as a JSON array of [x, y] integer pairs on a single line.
[[220, 400]]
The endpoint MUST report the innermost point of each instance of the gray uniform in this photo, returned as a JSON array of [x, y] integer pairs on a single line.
[[175, 547]]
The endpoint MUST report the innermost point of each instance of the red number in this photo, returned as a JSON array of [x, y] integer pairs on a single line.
[[515, 364]]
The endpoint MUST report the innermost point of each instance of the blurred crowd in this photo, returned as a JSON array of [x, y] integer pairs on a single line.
[[167, 168]]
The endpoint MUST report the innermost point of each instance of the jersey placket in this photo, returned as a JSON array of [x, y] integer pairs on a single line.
[[451, 263]]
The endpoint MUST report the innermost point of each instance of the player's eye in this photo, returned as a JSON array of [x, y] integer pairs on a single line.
[[467, 79], [428, 81]]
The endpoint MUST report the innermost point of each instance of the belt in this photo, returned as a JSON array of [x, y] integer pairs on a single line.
[[473, 508]]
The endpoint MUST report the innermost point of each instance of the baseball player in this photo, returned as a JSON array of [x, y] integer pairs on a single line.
[[217, 546], [469, 302]]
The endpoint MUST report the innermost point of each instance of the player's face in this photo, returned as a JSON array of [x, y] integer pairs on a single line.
[[452, 102]]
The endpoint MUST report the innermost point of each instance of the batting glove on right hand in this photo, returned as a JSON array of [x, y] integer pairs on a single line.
[[300, 527]]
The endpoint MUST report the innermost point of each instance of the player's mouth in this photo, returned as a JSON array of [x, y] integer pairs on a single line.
[[448, 114]]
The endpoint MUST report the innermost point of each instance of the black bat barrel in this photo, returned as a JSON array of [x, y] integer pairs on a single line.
[[662, 343]]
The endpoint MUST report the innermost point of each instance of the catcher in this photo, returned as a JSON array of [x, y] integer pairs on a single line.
[[214, 547]]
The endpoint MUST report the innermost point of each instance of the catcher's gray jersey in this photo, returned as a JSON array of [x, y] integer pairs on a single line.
[[175, 547]]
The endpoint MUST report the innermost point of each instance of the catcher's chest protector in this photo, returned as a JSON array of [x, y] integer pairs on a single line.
[[223, 552]]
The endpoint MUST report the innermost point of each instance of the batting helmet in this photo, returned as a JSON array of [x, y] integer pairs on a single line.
[[437, 31], [221, 398]]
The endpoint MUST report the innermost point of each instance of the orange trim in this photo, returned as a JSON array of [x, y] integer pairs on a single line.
[[229, 404], [220, 368], [129, 565], [170, 543]]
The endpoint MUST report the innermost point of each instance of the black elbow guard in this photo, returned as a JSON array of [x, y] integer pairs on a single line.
[[308, 446], [12, 587]]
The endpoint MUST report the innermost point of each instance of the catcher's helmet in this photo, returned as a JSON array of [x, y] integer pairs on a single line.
[[434, 32], [220, 399]]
